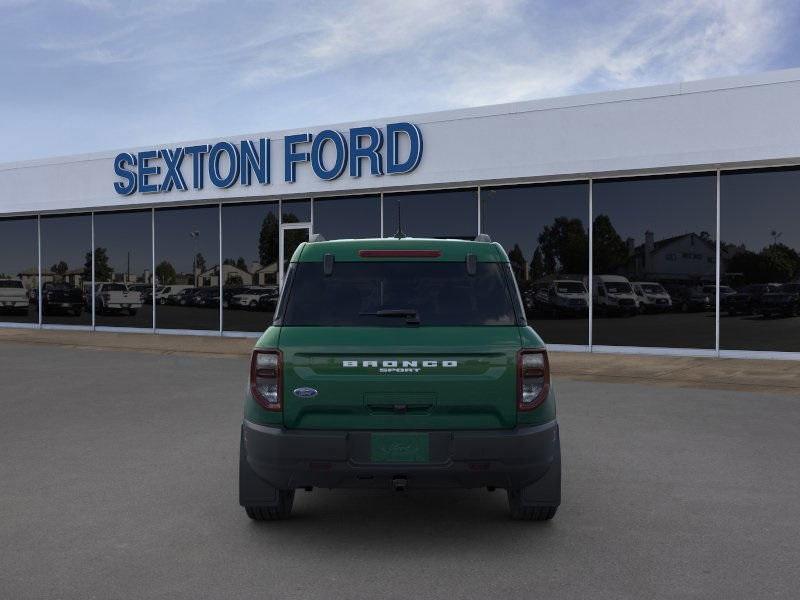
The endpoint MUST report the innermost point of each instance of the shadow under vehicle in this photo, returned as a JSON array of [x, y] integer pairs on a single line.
[[205, 297], [61, 298], [747, 300], [562, 298], [651, 297], [690, 299], [116, 298], [785, 301], [13, 296]]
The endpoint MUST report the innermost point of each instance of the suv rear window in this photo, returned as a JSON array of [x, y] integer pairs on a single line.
[[440, 293], [10, 283]]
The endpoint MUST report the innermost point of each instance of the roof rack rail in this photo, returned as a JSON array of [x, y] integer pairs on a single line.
[[316, 237], [483, 237]]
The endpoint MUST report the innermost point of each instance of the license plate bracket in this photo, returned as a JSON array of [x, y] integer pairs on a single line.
[[396, 447]]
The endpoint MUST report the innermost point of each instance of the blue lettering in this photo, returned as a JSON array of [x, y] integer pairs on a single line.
[[291, 156], [120, 161], [197, 153], [146, 170], [317, 149], [371, 151], [213, 164], [254, 162], [173, 176], [393, 130]]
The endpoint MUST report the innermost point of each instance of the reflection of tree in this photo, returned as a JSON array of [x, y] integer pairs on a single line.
[[517, 260], [241, 263], [537, 265], [564, 246], [60, 268], [200, 262], [775, 263], [268, 240], [102, 270], [610, 251], [165, 273]]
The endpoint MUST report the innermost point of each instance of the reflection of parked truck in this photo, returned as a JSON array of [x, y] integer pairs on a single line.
[[562, 297], [784, 301], [169, 293], [651, 297], [61, 297], [613, 294], [116, 297], [13, 296]]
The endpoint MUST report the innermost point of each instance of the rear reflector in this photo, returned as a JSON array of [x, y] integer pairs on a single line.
[[399, 253]]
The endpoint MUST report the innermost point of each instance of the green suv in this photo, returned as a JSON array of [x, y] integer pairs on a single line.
[[400, 363]]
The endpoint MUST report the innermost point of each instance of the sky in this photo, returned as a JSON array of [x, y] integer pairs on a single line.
[[90, 75]]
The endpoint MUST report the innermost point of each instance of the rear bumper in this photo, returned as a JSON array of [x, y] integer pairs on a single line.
[[512, 459]]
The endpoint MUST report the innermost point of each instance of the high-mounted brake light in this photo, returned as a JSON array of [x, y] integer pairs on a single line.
[[533, 378], [265, 378], [399, 253]]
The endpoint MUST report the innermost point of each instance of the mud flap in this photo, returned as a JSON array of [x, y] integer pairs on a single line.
[[253, 491], [547, 490]]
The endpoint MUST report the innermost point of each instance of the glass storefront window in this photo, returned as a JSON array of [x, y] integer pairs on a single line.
[[435, 214], [123, 266], [296, 211], [544, 230], [67, 269], [347, 218], [760, 260], [19, 270], [654, 260], [249, 265], [187, 269]]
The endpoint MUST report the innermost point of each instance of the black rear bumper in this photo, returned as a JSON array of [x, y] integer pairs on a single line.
[[511, 459]]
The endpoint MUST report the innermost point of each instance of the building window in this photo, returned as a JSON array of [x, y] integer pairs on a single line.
[[187, 268], [348, 218], [648, 281], [67, 269], [123, 265], [437, 214], [544, 230], [19, 270], [249, 265], [760, 255]]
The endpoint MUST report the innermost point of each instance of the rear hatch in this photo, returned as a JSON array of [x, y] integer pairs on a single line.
[[401, 343], [411, 378]]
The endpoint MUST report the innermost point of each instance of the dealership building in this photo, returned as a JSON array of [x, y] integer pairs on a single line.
[[653, 220]]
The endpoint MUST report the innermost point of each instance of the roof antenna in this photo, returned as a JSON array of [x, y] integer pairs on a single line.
[[399, 235]]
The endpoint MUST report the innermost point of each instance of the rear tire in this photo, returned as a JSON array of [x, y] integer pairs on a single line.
[[519, 512], [273, 513]]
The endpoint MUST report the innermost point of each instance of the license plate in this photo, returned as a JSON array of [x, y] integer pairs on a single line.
[[400, 447]]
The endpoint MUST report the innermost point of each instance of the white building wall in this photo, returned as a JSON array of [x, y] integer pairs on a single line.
[[721, 122]]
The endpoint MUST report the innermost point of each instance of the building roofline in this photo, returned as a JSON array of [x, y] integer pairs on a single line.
[[716, 84]]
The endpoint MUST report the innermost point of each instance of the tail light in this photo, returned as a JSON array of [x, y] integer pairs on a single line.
[[265, 378], [533, 378]]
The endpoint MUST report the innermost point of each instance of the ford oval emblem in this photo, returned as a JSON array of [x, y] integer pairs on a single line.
[[305, 392]]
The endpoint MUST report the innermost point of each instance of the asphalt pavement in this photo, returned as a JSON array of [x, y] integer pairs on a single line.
[[118, 480]]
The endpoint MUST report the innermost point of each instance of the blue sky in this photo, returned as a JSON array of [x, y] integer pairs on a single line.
[[88, 75]]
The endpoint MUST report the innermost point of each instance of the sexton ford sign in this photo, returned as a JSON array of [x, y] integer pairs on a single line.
[[224, 164]]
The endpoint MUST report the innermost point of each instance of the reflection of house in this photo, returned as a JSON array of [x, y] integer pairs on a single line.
[[266, 275], [688, 256], [29, 278], [210, 277]]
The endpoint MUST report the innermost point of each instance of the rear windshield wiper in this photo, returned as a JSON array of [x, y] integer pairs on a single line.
[[411, 315]]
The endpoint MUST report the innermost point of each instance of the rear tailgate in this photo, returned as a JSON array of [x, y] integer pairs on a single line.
[[399, 378]]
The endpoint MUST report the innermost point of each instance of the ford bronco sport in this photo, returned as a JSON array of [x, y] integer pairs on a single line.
[[400, 363]]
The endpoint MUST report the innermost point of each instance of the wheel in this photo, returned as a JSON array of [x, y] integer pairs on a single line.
[[273, 513], [253, 304], [519, 512]]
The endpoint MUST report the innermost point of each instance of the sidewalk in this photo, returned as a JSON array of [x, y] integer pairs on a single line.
[[767, 376]]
